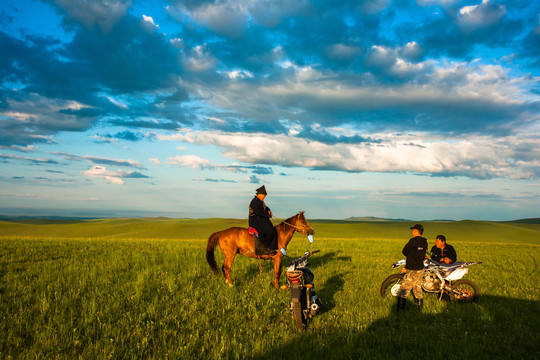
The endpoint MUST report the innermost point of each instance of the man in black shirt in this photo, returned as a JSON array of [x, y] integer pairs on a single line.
[[442, 252], [415, 251]]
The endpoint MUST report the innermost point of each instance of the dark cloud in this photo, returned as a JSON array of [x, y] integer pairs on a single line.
[[148, 124], [38, 161], [261, 170], [253, 67], [254, 179], [323, 136], [128, 135], [99, 160], [136, 175], [215, 180], [103, 72]]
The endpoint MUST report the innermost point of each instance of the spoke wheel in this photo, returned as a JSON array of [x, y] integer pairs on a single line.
[[464, 291], [390, 285]]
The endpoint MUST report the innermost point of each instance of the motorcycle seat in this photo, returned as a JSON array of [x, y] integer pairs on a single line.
[[453, 265]]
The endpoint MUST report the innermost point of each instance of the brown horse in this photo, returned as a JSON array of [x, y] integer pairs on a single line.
[[237, 240]]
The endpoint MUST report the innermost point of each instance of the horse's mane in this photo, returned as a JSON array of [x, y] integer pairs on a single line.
[[287, 222]]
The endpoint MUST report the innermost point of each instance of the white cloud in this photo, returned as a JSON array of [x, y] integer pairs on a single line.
[[190, 161], [149, 22], [177, 43], [483, 15], [478, 157], [96, 171], [200, 60], [155, 161], [114, 177]]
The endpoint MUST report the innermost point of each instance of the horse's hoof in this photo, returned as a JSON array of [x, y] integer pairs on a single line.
[[230, 285]]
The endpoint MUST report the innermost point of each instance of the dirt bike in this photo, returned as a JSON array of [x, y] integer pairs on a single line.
[[304, 301], [438, 278]]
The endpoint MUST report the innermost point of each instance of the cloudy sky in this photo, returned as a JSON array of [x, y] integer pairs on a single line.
[[426, 109]]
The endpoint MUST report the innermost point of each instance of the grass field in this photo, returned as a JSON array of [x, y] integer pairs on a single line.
[[141, 289]]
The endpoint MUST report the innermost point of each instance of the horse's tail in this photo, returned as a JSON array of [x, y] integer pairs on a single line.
[[212, 241]]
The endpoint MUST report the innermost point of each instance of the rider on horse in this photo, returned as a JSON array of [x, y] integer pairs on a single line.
[[259, 219]]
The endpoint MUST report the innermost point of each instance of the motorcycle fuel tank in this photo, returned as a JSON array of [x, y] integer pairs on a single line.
[[308, 275]]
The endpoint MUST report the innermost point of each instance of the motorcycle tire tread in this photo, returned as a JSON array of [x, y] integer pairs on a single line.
[[297, 314]]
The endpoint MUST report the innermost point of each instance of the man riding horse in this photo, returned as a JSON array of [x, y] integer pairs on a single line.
[[259, 219]]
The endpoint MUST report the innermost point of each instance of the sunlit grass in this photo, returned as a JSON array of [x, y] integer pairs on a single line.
[[124, 297]]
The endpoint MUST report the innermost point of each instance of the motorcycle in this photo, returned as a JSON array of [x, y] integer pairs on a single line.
[[304, 301], [445, 279]]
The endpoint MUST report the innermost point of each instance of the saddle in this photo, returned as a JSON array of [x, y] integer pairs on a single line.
[[260, 248]]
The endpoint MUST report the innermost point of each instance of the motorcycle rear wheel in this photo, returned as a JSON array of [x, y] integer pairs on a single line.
[[467, 291], [298, 314], [389, 282]]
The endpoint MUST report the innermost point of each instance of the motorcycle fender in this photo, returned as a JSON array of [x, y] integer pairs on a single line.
[[457, 274], [398, 263]]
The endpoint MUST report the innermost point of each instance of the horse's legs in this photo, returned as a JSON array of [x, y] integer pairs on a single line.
[[277, 269], [260, 266], [227, 264]]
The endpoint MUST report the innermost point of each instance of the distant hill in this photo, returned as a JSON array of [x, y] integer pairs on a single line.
[[372, 219], [352, 219], [525, 221]]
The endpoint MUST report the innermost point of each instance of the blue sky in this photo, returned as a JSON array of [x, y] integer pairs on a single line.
[[426, 109]]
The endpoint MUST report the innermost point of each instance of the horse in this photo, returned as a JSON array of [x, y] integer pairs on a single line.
[[237, 240]]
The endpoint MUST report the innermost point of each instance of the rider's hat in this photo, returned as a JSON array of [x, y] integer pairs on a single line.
[[261, 190], [418, 227]]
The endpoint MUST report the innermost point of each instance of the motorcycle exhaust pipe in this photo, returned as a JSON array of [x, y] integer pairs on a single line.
[[314, 309]]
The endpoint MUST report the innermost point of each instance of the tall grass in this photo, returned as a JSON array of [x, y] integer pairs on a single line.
[[126, 295]]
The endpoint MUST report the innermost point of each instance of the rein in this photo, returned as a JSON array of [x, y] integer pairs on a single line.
[[297, 228]]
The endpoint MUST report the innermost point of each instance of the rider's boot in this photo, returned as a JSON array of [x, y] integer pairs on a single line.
[[401, 303]]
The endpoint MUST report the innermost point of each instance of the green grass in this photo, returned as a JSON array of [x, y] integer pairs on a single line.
[[141, 288]]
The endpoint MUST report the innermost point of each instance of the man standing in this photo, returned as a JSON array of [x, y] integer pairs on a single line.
[[442, 252], [259, 219], [415, 251]]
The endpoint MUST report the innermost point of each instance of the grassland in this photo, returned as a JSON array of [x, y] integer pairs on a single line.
[[141, 289]]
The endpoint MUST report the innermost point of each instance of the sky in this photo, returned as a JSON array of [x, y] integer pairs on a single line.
[[426, 109]]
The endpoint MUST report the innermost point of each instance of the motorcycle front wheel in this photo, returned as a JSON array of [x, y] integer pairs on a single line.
[[464, 290], [391, 285]]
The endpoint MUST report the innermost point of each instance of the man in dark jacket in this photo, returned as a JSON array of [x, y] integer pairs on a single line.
[[415, 251], [442, 252], [259, 218]]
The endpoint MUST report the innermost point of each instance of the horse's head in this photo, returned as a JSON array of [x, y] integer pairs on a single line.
[[302, 226]]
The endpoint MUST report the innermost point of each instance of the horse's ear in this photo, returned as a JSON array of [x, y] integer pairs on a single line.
[[302, 212]]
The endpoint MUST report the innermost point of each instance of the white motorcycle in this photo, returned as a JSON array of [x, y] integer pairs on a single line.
[[438, 278]]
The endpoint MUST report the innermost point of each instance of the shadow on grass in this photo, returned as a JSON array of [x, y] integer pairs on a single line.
[[328, 290], [317, 260], [495, 327], [331, 257]]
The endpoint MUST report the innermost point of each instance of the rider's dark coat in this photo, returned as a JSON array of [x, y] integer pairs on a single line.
[[415, 251], [448, 251], [259, 218]]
